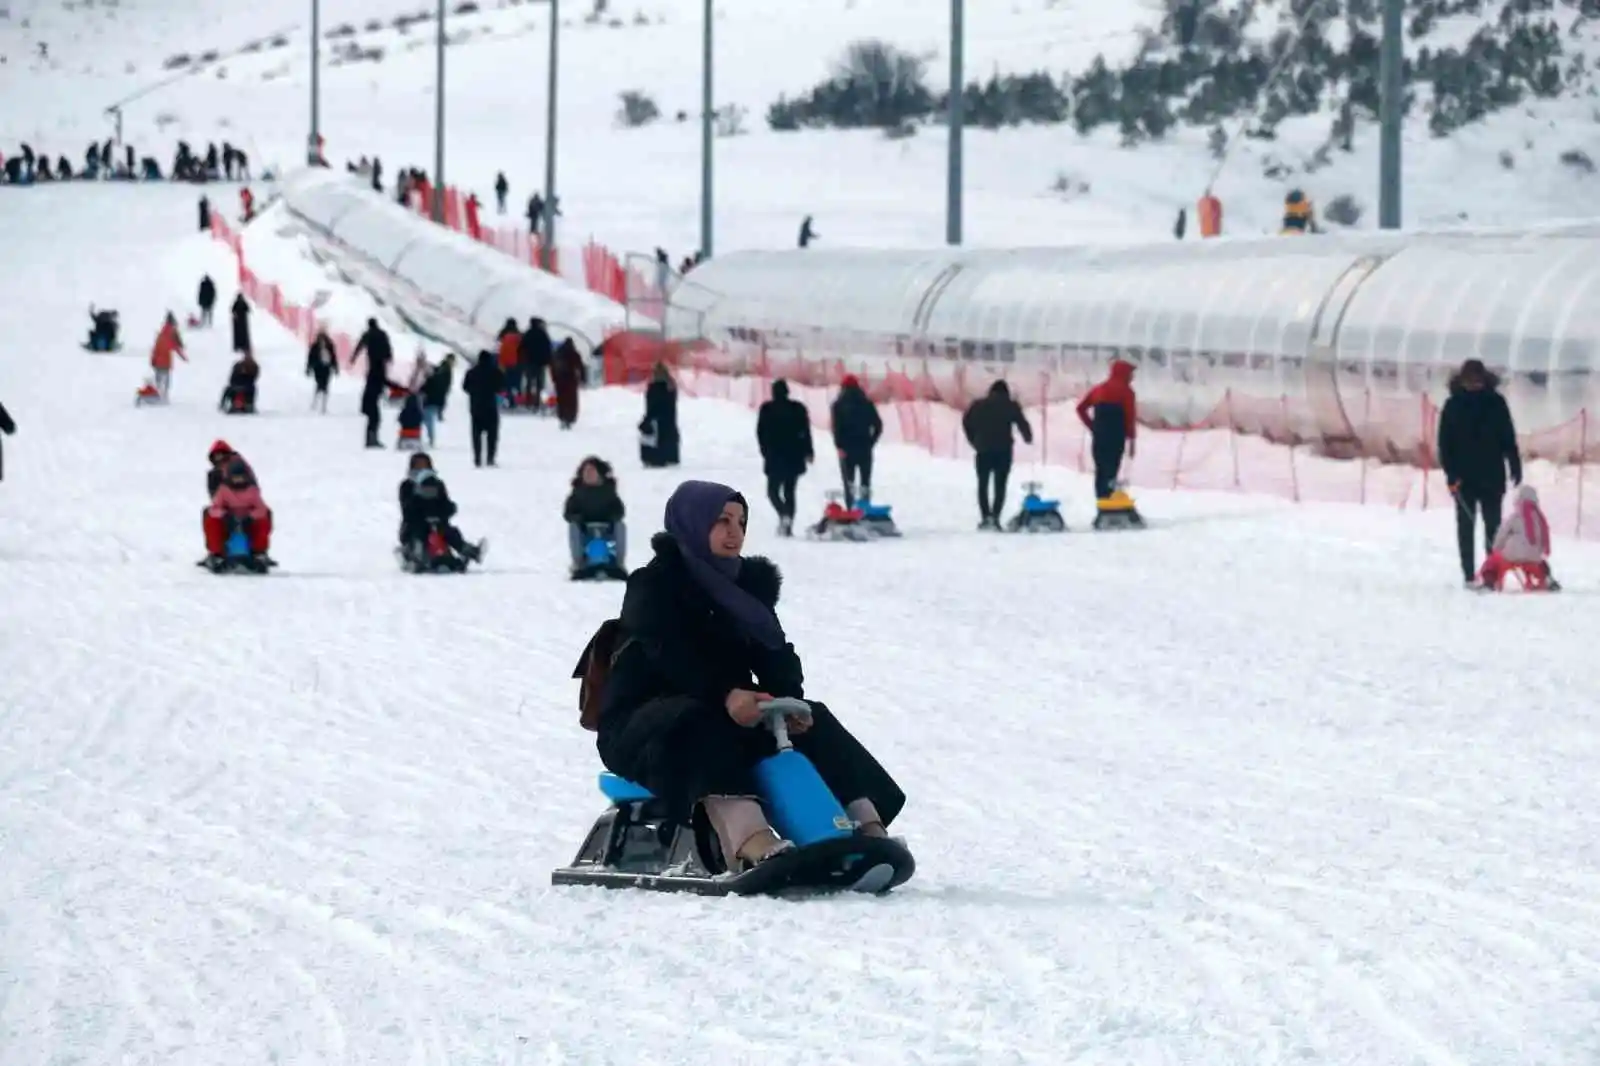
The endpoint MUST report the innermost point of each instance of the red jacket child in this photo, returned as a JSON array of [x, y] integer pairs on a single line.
[[238, 499]]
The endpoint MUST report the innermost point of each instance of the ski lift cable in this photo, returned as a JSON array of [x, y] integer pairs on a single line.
[[1272, 78]]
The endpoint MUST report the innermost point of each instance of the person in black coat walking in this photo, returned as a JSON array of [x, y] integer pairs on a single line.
[[483, 385], [374, 344], [856, 429], [8, 427], [207, 299], [699, 648], [987, 425], [658, 430], [534, 354], [241, 324], [1477, 442], [783, 432], [435, 394], [322, 363]]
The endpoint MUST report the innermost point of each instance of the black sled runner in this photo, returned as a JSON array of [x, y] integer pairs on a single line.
[[635, 844]]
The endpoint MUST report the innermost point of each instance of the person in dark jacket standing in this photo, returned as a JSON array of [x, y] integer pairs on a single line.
[[987, 425], [783, 432], [567, 374], [483, 385], [1477, 442], [856, 429], [435, 394], [699, 648], [322, 363], [658, 431], [534, 354], [1110, 412], [207, 299], [205, 215], [241, 324], [8, 427], [374, 344]]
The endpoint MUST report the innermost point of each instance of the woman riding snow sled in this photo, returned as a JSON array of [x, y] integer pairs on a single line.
[[699, 648], [426, 506]]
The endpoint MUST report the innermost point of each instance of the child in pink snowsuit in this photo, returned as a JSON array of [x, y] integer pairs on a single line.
[[1524, 537], [238, 498]]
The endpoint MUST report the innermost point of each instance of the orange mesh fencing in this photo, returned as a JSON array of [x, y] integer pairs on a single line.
[[1232, 449]]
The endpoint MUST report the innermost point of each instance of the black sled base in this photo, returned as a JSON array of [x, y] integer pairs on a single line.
[[632, 845]]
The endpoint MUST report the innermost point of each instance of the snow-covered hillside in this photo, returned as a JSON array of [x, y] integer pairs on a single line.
[[1259, 785], [636, 189]]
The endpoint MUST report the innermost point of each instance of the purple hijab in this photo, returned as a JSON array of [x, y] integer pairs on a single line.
[[692, 511]]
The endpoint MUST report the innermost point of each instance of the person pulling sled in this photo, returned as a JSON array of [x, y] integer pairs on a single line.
[[238, 524], [429, 543]]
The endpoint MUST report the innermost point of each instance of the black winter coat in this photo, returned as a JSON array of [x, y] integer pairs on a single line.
[[380, 353], [241, 324], [7, 427], [856, 425], [594, 503], [322, 362], [676, 642], [207, 293], [416, 510], [483, 385], [1477, 441], [988, 423], [436, 389], [535, 350], [783, 432]]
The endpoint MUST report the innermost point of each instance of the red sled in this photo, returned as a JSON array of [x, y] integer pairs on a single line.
[[1533, 577], [194, 321], [147, 394]]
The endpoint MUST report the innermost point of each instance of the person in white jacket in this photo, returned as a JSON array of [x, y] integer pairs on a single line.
[[1524, 537]]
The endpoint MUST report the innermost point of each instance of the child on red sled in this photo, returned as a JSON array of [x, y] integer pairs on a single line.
[[1524, 537], [237, 503]]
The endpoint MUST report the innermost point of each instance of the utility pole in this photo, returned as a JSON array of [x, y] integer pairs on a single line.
[[438, 124], [707, 113], [547, 242], [955, 120], [316, 88], [1391, 73]]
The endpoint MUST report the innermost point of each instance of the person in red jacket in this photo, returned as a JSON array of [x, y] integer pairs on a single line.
[[1110, 412]]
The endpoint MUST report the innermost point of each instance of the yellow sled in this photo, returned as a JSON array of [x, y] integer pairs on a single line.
[[1117, 511]]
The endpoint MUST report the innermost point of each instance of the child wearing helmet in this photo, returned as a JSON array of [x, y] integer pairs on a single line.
[[425, 503]]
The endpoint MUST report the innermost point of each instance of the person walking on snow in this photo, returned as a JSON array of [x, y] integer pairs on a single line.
[[501, 188], [987, 425], [483, 385], [1477, 442], [241, 324], [322, 364], [168, 343], [783, 433], [856, 429], [8, 427], [1110, 412], [374, 344], [567, 373], [207, 299]]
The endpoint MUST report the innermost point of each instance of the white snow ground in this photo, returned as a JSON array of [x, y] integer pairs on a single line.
[[1260, 785], [637, 189]]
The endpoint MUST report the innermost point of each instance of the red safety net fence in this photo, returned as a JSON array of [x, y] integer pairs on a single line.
[[1236, 447], [299, 320]]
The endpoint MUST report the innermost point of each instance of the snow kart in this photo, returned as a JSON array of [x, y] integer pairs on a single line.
[[864, 521], [1117, 511], [600, 560], [236, 557], [433, 554], [634, 844], [1038, 515]]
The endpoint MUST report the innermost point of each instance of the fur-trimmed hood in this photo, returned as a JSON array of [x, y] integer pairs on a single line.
[[758, 575]]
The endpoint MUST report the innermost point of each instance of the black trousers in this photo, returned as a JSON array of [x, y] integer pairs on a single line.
[[994, 468], [684, 750], [485, 436], [851, 465], [1470, 500], [370, 408], [1107, 465], [780, 492]]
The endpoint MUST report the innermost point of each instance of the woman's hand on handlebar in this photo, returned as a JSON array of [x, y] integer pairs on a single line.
[[797, 725], [744, 706]]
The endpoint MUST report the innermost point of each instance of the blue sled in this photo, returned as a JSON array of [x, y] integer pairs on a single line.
[[1038, 514], [600, 555], [635, 844]]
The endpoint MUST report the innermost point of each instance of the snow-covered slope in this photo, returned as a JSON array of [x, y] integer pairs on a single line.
[[1257, 786], [637, 188]]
